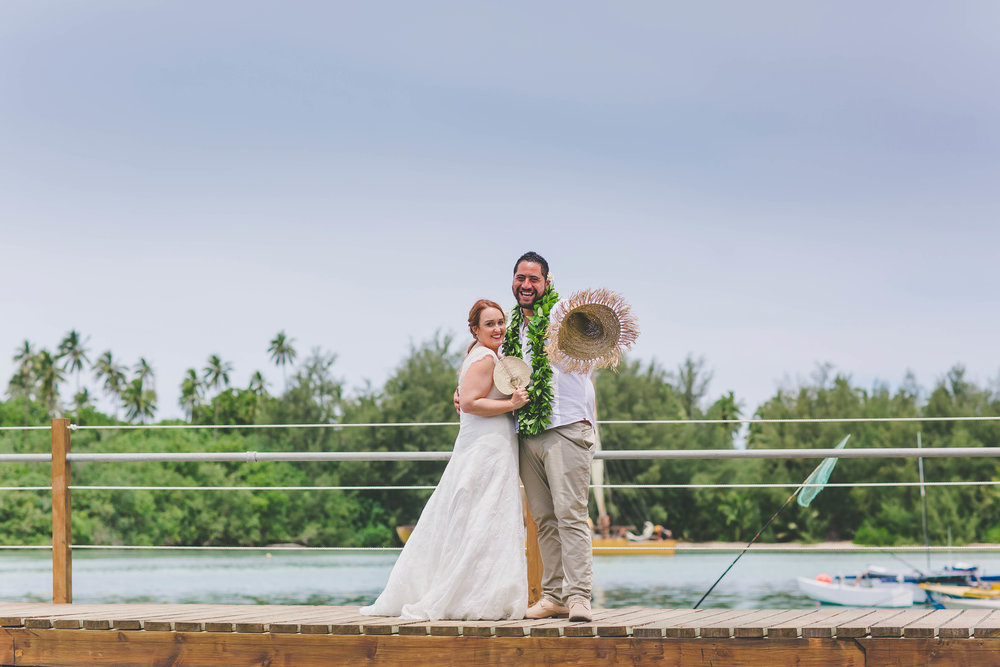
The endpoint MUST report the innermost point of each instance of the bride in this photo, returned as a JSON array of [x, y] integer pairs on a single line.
[[465, 558]]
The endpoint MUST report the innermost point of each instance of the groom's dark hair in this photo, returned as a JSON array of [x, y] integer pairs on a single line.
[[535, 258]]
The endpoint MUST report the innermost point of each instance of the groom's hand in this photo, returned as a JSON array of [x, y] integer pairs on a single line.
[[458, 406]]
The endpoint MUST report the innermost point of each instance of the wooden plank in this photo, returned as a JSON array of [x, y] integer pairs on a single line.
[[930, 652], [62, 525], [928, 625], [827, 628], [723, 627], [861, 627], [688, 626], [7, 656], [621, 625], [349, 625], [64, 648], [759, 628], [477, 628], [961, 626], [893, 626], [653, 629], [561, 626], [524, 627], [692, 627], [988, 627], [387, 626], [96, 624], [792, 628]]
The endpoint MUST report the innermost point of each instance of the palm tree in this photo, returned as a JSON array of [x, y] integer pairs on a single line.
[[112, 374], [22, 382], [282, 353], [74, 354], [216, 375], [258, 384], [49, 375], [145, 371], [139, 401], [191, 391], [82, 400]]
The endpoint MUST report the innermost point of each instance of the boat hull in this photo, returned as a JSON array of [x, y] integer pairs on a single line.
[[848, 595], [611, 546], [964, 597]]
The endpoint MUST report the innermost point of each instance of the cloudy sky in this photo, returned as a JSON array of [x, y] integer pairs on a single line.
[[772, 185]]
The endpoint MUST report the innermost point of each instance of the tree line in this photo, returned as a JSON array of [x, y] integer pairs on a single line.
[[419, 390], [39, 375]]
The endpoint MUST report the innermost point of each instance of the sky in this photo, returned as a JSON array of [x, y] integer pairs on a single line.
[[771, 185]]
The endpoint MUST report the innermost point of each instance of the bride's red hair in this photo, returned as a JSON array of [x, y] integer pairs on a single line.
[[477, 310]]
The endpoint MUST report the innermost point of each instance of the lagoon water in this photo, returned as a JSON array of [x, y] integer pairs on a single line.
[[760, 579]]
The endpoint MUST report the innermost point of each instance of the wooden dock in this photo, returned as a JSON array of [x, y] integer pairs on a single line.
[[303, 636]]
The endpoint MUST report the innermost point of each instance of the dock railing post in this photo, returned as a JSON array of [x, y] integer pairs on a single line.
[[533, 554], [62, 528]]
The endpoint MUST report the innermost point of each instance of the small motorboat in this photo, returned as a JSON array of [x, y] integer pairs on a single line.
[[957, 574], [856, 592], [982, 596]]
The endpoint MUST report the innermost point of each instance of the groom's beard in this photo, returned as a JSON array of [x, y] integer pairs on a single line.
[[535, 296]]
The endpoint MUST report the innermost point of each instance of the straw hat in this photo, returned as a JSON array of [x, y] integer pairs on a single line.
[[592, 329], [511, 373]]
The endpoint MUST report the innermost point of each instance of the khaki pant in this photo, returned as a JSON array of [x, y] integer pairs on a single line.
[[555, 471]]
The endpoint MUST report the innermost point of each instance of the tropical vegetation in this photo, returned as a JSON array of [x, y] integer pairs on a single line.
[[674, 493]]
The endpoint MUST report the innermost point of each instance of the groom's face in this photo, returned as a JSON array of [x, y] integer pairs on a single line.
[[529, 284]]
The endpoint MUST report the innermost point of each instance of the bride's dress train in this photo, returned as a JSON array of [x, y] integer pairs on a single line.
[[465, 558]]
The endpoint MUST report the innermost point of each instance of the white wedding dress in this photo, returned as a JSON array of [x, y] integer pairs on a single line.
[[465, 558]]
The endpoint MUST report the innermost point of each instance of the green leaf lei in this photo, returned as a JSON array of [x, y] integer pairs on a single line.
[[536, 414]]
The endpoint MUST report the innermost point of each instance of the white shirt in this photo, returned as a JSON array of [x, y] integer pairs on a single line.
[[572, 393]]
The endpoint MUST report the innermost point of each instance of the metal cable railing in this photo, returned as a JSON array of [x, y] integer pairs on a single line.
[[61, 459]]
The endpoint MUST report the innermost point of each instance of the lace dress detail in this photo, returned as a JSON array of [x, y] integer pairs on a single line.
[[465, 558]]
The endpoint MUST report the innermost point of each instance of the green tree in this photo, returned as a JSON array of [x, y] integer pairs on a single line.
[[73, 353], [22, 382], [419, 390], [282, 353], [145, 373], [191, 392], [258, 384], [644, 392], [111, 375], [692, 384], [216, 373], [140, 402], [49, 377], [216, 376], [82, 400]]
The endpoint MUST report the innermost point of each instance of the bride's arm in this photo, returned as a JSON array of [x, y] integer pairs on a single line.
[[477, 384]]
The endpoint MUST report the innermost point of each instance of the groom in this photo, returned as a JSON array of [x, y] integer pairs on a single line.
[[556, 436]]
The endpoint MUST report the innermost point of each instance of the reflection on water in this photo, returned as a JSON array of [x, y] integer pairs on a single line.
[[765, 580]]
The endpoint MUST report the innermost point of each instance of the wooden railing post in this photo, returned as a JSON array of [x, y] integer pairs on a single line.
[[62, 528], [533, 554]]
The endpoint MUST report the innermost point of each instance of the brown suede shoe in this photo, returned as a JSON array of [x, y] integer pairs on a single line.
[[579, 610], [546, 608]]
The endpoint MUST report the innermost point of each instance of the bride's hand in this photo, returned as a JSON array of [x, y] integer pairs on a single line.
[[519, 398]]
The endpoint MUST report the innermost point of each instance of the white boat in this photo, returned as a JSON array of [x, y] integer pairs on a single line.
[[856, 593]]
